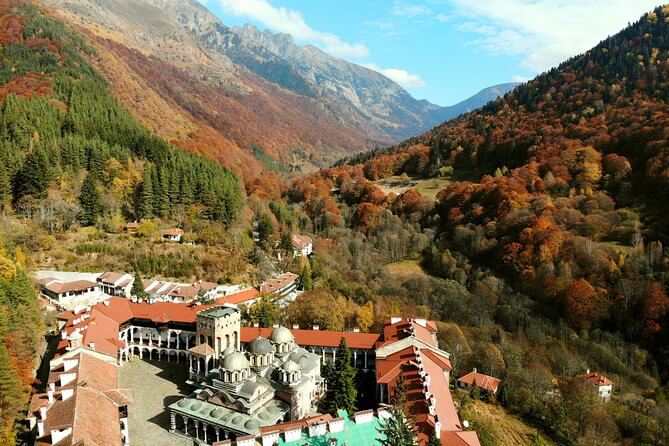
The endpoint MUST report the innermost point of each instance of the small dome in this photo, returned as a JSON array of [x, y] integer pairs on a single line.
[[251, 425], [259, 346], [216, 413], [196, 406], [227, 351], [237, 420], [264, 416], [291, 366], [281, 335], [235, 361], [183, 403]]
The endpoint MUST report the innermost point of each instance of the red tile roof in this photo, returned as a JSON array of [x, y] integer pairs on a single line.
[[92, 410], [273, 285], [240, 297], [202, 350], [405, 365], [459, 438], [289, 425], [597, 379], [301, 241], [481, 380], [59, 287], [173, 232], [403, 328], [317, 338]]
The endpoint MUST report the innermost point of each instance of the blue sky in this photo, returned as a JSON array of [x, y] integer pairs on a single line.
[[442, 50]]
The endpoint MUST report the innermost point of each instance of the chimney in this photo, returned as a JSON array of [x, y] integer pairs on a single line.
[[49, 395], [296, 327], [474, 369], [356, 330], [91, 345], [587, 371], [42, 412], [316, 327]]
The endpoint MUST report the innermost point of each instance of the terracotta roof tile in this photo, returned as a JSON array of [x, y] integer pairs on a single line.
[[324, 338], [481, 380], [273, 285], [597, 379], [301, 241]]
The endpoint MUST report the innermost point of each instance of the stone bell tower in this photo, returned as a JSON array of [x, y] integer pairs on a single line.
[[219, 327]]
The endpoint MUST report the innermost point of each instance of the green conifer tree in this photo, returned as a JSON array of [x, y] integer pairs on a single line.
[[306, 280], [145, 201], [34, 176], [398, 430], [433, 440], [137, 289], [342, 393], [5, 187], [89, 199]]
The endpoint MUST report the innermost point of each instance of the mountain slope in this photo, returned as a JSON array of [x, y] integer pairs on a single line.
[[561, 186], [59, 123], [472, 103], [295, 102]]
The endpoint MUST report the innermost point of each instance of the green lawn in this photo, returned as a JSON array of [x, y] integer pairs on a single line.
[[428, 187]]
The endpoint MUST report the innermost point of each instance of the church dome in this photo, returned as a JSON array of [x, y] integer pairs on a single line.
[[235, 361], [228, 350], [291, 366], [281, 335], [259, 346]]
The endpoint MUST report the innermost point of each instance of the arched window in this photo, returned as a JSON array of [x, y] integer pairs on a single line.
[[201, 338], [235, 339], [227, 341]]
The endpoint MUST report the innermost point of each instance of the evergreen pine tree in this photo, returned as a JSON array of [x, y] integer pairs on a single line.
[[137, 289], [34, 176], [145, 200], [342, 393], [306, 280], [433, 440], [89, 199], [5, 187], [398, 429]]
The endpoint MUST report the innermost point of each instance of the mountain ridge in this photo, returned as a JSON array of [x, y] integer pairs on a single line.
[[188, 36]]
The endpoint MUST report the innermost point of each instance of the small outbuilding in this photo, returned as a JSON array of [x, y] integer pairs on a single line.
[[484, 382], [173, 234]]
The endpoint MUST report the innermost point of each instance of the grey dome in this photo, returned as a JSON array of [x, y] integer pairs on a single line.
[[281, 335], [227, 351], [251, 425], [291, 366], [235, 361], [183, 403], [216, 413], [259, 346]]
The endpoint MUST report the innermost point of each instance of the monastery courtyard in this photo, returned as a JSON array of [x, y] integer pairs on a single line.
[[155, 386]]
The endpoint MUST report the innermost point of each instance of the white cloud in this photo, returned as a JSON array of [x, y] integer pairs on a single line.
[[288, 21], [409, 10], [519, 78], [402, 77], [546, 32]]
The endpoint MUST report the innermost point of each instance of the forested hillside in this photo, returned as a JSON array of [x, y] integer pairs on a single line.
[[70, 154], [546, 252], [59, 123]]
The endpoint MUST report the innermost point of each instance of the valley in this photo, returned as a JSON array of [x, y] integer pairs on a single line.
[[224, 235]]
